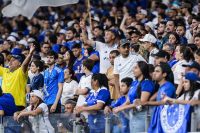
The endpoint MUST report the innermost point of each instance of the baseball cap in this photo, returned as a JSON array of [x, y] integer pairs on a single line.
[[38, 94], [134, 31], [149, 38], [96, 18], [12, 39], [62, 31], [31, 40], [150, 24], [162, 54], [23, 42], [142, 11], [192, 76], [192, 64], [124, 42]]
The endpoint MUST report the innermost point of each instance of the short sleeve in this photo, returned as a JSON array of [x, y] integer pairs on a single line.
[[43, 106], [147, 86], [196, 95], [103, 96], [115, 70], [98, 45], [61, 77]]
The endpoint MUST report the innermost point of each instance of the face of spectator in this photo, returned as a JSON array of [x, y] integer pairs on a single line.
[[46, 25], [25, 52], [161, 28], [123, 88], [180, 31], [194, 24], [172, 39], [60, 60], [168, 50], [94, 84], [67, 56], [67, 75], [108, 23], [82, 24], [69, 108], [76, 52], [170, 27], [186, 85], [146, 45], [77, 27], [197, 58], [109, 37], [34, 68], [135, 38], [97, 32], [63, 49], [61, 37], [45, 48], [197, 41], [158, 60], [50, 60], [136, 71], [124, 50], [129, 20], [69, 35], [14, 64], [6, 45], [158, 75], [178, 54], [34, 99], [112, 58]]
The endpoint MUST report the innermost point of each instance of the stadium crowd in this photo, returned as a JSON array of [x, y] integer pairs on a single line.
[[117, 55]]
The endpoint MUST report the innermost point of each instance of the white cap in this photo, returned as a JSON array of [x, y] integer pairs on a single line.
[[142, 11], [14, 34], [38, 94], [150, 24], [62, 31], [149, 38], [96, 18], [12, 39], [23, 42], [30, 40]]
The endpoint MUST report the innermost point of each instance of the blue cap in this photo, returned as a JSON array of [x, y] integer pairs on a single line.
[[192, 76]]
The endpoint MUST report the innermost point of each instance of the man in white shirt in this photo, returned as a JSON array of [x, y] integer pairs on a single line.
[[124, 63], [104, 48], [149, 45]]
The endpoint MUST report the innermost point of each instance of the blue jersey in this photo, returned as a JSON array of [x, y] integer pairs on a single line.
[[119, 102], [101, 95], [7, 104], [77, 67], [96, 67], [51, 80], [37, 82], [146, 85], [167, 89]]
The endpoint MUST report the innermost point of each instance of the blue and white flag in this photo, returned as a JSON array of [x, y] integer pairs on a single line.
[[171, 119], [27, 8]]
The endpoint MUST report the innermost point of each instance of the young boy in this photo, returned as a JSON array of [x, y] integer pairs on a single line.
[[124, 88]]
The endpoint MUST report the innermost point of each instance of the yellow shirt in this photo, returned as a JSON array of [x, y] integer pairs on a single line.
[[15, 84]]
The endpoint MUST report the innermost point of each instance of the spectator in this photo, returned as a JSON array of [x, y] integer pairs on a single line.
[[15, 77], [70, 85], [161, 56], [197, 40], [85, 83], [124, 88], [110, 75], [7, 104], [53, 84], [77, 66], [149, 45], [95, 101], [69, 58], [70, 104], [60, 62], [173, 39], [44, 51], [170, 49], [37, 111], [197, 56]]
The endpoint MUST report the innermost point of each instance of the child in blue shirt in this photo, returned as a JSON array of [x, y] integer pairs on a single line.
[[124, 88]]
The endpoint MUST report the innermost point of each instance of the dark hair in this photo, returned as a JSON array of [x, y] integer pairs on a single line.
[[197, 52], [187, 53], [151, 68], [88, 63], [102, 79], [39, 64], [52, 53], [176, 36], [71, 59], [115, 52], [1, 92], [72, 73], [32, 106], [167, 69], [128, 81], [76, 45], [193, 87], [144, 68], [197, 35], [72, 29], [1, 59]]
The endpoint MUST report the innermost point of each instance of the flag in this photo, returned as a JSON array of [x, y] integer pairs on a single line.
[[27, 8], [171, 119]]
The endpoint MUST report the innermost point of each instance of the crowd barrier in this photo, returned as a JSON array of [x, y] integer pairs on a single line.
[[69, 123]]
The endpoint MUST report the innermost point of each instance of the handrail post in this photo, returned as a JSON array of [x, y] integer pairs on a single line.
[[107, 124], [193, 127], [1, 125]]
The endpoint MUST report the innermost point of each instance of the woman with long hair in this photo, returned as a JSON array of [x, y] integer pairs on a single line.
[[142, 88], [96, 100], [37, 113]]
